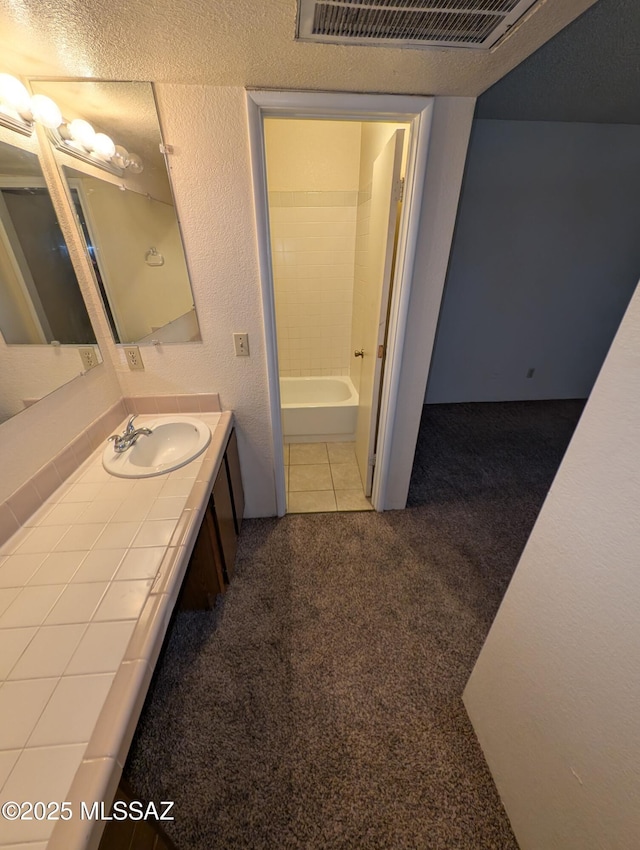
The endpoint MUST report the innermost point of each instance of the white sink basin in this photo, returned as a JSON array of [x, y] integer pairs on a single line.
[[173, 442]]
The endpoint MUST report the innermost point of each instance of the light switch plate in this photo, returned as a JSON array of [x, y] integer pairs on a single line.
[[88, 356], [134, 358], [241, 344]]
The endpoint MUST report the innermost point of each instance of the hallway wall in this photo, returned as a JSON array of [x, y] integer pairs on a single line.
[[544, 261], [554, 695]]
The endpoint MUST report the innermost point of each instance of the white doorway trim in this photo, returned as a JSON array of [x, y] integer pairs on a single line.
[[417, 112]]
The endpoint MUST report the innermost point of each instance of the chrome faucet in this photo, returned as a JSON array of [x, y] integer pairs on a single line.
[[124, 441]]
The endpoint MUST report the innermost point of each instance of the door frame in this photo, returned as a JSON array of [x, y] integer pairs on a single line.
[[415, 111]]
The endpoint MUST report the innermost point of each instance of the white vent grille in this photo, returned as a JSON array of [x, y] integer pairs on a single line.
[[409, 23]]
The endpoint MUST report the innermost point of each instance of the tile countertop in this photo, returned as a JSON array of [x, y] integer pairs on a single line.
[[87, 588]]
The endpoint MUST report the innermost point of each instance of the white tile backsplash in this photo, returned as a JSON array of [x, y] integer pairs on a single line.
[[49, 652], [42, 539], [17, 570], [141, 563], [12, 644], [313, 264], [77, 603], [39, 774], [72, 711], [21, 704], [8, 758], [31, 606], [117, 535], [99, 565], [155, 533], [58, 568], [102, 648], [79, 537], [123, 600]]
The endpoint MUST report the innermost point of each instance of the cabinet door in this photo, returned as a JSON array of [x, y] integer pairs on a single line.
[[204, 579], [133, 835], [225, 521], [235, 480]]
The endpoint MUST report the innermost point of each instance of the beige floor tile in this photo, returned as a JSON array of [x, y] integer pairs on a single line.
[[308, 453], [312, 476], [286, 453], [313, 502], [346, 476], [352, 500], [342, 452]]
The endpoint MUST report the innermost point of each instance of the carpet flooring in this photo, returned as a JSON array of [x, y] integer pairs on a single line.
[[319, 706]]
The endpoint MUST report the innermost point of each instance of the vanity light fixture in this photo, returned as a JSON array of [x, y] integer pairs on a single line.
[[19, 111], [15, 107], [79, 139], [45, 111]]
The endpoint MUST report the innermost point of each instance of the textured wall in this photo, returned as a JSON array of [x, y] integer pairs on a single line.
[[554, 695], [544, 261], [214, 199]]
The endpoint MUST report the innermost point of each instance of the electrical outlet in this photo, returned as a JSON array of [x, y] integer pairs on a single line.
[[134, 358], [89, 357], [241, 344]]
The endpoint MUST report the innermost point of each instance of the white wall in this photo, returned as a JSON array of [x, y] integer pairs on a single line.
[[312, 156], [555, 693], [545, 258]]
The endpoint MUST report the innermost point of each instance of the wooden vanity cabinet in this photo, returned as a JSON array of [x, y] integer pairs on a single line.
[[212, 561]]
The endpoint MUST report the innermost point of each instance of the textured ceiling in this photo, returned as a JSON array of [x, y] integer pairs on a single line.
[[245, 43], [589, 72]]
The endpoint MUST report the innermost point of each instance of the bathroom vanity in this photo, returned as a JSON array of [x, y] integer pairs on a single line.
[[103, 565]]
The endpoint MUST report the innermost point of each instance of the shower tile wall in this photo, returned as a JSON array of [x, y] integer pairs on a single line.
[[313, 241]]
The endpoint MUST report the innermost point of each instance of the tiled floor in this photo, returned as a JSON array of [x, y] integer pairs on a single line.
[[323, 477]]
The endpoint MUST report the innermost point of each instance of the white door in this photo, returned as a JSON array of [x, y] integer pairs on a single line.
[[385, 194]]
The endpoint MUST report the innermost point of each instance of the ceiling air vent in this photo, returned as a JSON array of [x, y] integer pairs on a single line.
[[409, 23]]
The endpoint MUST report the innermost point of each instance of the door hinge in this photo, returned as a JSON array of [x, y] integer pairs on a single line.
[[372, 460], [380, 352], [401, 190]]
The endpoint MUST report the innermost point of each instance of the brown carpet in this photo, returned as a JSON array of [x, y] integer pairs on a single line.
[[320, 705]]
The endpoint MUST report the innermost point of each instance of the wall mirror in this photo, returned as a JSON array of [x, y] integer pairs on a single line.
[[43, 318], [108, 149]]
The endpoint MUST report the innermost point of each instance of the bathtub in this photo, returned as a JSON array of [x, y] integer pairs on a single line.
[[318, 409]]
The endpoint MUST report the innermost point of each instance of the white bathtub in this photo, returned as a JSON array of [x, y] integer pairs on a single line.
[[318, 409]]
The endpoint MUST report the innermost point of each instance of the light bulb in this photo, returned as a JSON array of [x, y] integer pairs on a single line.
[[45, 111], [120, 157], [82, 132], [103, 146], [15, 95], [135, 164]]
